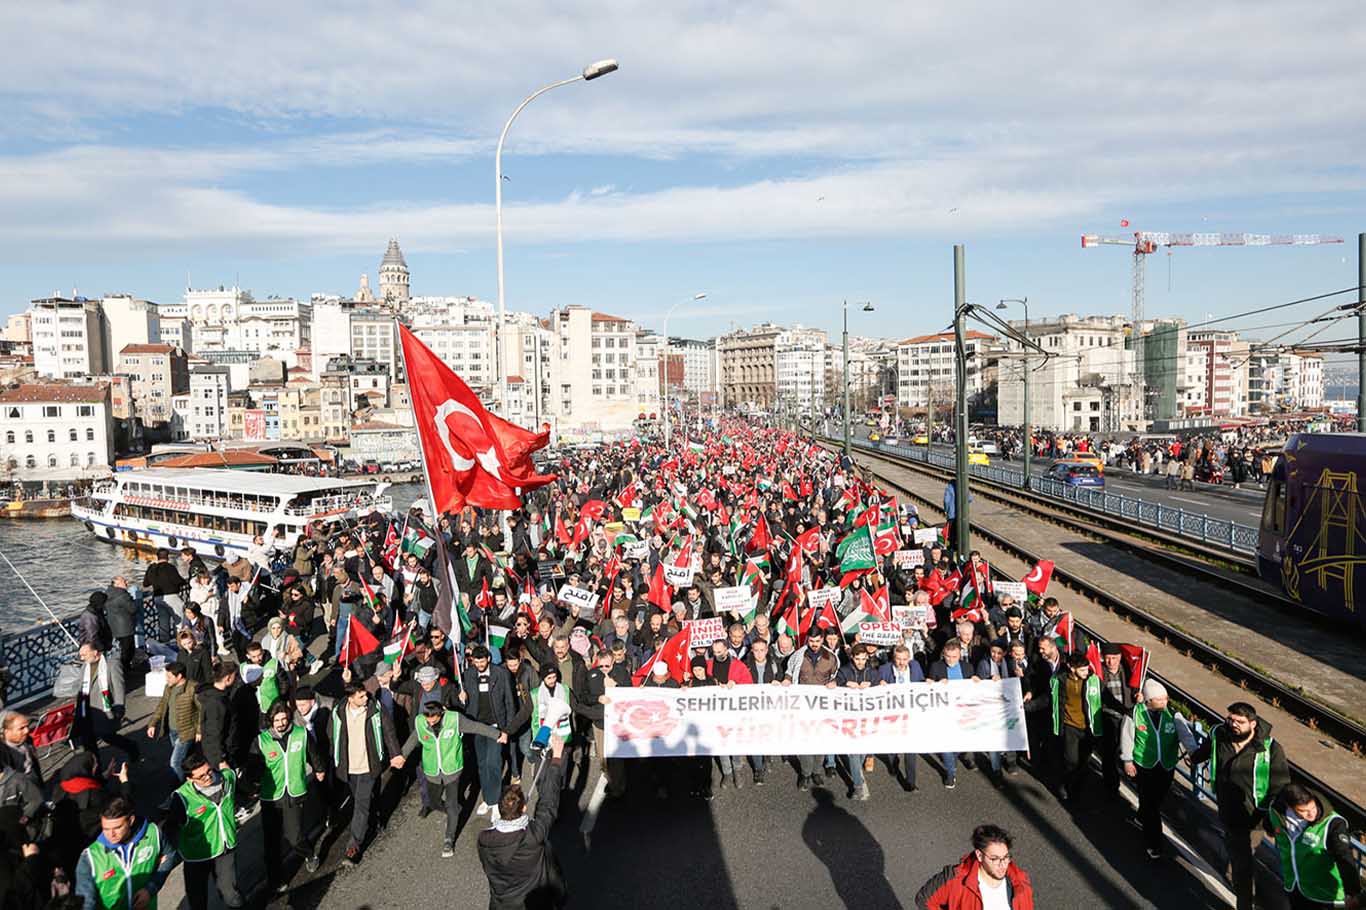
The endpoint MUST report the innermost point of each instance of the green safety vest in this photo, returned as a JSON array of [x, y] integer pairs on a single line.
[[442, 753], [1152, 747], [336, 735], [285, 767], [1091, 696], [210, 828], [564, 729], [116, 883], [1261, 767], [268, 690], [1306, 864]]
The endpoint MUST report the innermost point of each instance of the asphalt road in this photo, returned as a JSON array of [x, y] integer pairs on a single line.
[[1222, 502], [777, 847]]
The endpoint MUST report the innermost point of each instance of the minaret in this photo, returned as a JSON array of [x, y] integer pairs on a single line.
[[393, 276], [363, 293]]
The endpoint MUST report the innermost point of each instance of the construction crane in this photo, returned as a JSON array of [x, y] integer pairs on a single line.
[[1144, 243]]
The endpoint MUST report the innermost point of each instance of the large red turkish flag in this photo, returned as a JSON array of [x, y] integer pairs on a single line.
[[473, 456]]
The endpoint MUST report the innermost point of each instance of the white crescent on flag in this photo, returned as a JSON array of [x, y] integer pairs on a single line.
[[488, 460], [1034, 574]]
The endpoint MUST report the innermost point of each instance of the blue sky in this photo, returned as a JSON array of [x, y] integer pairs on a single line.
[[778, 156]]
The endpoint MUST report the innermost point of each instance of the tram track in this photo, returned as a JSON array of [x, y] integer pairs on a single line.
[[1323, 720]]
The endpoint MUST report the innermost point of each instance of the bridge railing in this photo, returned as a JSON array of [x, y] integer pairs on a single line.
[[1213, 532]]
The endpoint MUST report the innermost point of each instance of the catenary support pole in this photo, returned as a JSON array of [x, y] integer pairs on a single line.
[[962, 537]]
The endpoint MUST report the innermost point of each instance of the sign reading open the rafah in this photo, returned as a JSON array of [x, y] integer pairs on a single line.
[[954, 716]]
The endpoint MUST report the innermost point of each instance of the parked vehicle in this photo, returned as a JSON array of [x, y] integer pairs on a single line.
[[1076, 474]]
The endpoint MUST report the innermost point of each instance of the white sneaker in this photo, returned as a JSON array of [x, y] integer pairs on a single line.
[[482, 808], [314, 667]]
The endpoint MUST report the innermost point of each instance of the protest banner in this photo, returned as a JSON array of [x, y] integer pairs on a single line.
[[818, 598], [955, 716], [732, 600], [584, 599], [549, 571], [638, 550], [702, 632], [908, 559], [880, 633], [630, 514], [680, 576], [926, 535], [1015, 589], [909, 615]]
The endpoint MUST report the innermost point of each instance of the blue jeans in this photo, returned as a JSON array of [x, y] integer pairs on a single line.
[[343, 621], [489, 755], [518, 750], [179, 749], [855, 770], [950, 760], [725, 764]]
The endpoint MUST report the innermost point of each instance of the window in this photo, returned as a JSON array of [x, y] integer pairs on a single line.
[[89, 434], [51, 435], [90, 459], [52, 461], [72, 434], [52, 410], [30, 462], [28, 436], [75, 460]]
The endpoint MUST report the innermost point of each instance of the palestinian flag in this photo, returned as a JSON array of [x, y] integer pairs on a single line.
[[737, 525], [1036, 579], [789, 620], [623, 540], [400, 642], [856, 552], [747, 617], [359, 641], [753, 574], [368, 591], [696, 447], [498, 635], [417, 539], [1061, 631], [868, 609]]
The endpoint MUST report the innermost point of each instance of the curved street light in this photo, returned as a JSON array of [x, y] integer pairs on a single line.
[[590, 72]]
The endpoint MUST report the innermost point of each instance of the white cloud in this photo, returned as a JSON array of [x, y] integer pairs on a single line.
[[1032, 117]]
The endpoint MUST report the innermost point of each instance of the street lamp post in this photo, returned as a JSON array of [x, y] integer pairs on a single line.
[[590, 72], [867, 308], [1028, 429], [664, 366]]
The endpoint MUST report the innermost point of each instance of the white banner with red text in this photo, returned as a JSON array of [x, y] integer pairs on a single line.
[[953, 716]]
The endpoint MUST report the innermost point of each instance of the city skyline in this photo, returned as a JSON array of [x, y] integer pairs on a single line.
[[734, 155]]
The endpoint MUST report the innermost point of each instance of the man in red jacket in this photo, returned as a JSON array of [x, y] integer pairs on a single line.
[[984, 879]]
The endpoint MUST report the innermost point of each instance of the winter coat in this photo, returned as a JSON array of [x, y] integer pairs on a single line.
[[520, 865], [121, 611], [956, 888], [1233, 773], [216, 723]]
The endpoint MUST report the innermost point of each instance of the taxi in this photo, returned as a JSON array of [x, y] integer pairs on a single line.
[[874, 437], [977, 456], [1090, 458], [920, 439]]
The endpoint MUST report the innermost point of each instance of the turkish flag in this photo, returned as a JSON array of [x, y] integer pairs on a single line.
[[594, 509], [473, 457], [810, 541], [673, 654], [661, 594]]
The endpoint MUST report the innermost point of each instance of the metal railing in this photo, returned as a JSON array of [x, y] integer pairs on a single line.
[[1216, 532]]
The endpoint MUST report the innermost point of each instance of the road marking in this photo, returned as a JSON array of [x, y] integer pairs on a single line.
[[590, 817], [1184, 499], [1212, 880]]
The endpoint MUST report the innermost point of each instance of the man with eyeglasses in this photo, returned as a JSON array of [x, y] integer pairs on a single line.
[[202, 824], [984, 879]]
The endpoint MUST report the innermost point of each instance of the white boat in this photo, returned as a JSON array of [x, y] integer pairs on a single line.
[[219, 511]]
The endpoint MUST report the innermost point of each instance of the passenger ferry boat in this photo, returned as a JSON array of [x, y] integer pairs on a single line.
[[219, 511]]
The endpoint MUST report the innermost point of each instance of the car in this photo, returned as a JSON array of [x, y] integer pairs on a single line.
[[869, 422], [990, 448], [1090, 458], [920, 439], [977, 456], [874, 437], [891, 441], [389, 466], [1076, 473]]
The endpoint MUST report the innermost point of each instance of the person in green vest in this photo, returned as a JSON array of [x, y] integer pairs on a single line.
[[1151, 739], [202, 823], [127, 864], [268, 682], [291, 763], [438, 730], [1318, 868], [1076, 724], [1247, 767]]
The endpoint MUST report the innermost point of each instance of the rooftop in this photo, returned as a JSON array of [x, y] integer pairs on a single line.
[[54, 392], [947, 336], [217, 460], [377, 425], [229, 481], [147, 349]]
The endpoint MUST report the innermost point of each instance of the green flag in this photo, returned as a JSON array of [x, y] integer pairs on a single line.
[[855, 552]]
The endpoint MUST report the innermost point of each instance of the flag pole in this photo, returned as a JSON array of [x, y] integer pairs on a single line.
[[427, 481]]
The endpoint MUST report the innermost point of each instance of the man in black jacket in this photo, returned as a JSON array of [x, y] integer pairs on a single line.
[[122, 614], [1247, 768], [360, 768], [1038, 689], [588, 704], [162, 579], [486, 692], [1117, 703], [515, 852], [218, 721]]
